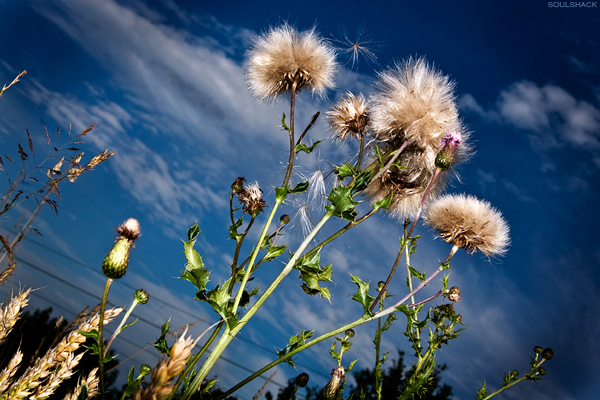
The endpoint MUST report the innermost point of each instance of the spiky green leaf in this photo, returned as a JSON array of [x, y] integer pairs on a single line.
[[362, 295]]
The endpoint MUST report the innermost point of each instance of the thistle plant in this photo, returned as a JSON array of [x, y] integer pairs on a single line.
[[409, 138]]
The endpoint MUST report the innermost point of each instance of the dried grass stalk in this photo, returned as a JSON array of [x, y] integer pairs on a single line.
[[11, 313], [41, 380], [90, 383]]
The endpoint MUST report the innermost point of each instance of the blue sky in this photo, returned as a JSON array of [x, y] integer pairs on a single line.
[[164, 83]]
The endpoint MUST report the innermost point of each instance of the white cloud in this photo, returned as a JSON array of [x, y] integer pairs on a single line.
[[554, 114]]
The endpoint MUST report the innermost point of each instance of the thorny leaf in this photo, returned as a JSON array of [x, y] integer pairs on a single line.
[[302, 147], [345, 171], [195, 272], [161, 343], [312, 273], [362, 295], [293, 343], [384, 203], [342, 204], [274, 251], [283, 124]]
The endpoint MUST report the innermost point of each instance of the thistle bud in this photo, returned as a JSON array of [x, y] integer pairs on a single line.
[[547, 354], [141, 296], [445, 157], [541, 371], [329, 392], [349, 333], [238, 185], [284, 219], [145, 369], [115, 264], [538, 349], [380, 284], [302, 379], [453, 294]]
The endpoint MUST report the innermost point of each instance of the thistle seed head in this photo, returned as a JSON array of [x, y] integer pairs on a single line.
[[415, 103], [469, 223], [283, 57], [349, 117]]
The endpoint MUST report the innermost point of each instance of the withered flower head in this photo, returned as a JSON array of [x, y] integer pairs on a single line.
[[349, 116], [469, 223], [250, 197], [416, 103], [408, 183], [283, 56]]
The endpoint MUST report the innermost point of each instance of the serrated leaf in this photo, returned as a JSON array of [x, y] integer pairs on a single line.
[[384, 203], [128, 325], [362, 180], [421, 276], [193, 232], [274, 251], [161, 343], [344, 171], [233, 233], [312, 273], [195, 272], [351, 366], [281, 193], [283, 124], [293, 343], [218, 299], [302, 147], [208, 386], [342, 203], [362, 295]]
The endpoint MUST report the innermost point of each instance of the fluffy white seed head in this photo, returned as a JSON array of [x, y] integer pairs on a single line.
[[349, 116], [469, 223], [415, 103], [283, 56]]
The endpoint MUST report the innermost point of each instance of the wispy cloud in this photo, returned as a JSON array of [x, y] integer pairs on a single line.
[[549, 111]]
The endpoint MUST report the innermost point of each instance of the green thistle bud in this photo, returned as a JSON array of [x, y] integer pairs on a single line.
[[453, 294], [541, 371], [284, 219], [349, 333], [145, 369], [141, 296], [445, 157], [547, 354], [302, 379], [329, 392], [538, 349], [115, 264]]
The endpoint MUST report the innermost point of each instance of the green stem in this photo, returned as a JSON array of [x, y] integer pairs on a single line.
[[230, 334], [407, 237], [100, 337], [325, 336], [531, 374], [195, 359], [290, 166], [118, 330], [362, 149]]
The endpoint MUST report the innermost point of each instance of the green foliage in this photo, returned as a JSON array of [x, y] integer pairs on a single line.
[[302, 147], [384, 203], [218, 298], [281, 193], [363, 296], [161, 343], [312, 273], [195, 272], [133, 384], [342, 205], [345, 171], [293, 343]]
